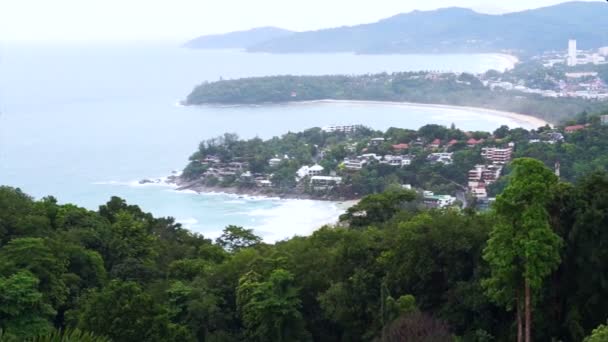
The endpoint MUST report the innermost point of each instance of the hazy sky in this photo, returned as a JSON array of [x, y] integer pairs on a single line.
[[183, 19]]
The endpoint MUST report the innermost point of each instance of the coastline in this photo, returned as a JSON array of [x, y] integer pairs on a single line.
[[255, 192], [511, 59], [530, 120]]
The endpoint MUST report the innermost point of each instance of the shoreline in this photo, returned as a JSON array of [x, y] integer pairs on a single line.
[[512, 59], [524, 118], [531, 121], [256, 192]]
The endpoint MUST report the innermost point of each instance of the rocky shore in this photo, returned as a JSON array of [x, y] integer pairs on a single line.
[[198, 187]]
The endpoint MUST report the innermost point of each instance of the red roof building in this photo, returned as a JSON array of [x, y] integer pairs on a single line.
[[435, 144], [473, 142], [575, 128], [452, 142], [401, 147]]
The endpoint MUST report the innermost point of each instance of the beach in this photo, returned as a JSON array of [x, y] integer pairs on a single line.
[[528, 120]]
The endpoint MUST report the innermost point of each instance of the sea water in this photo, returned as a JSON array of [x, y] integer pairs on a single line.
[[85, 122]]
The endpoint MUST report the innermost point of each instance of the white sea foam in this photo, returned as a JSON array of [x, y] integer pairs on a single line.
[[156, 182], [293, 217]]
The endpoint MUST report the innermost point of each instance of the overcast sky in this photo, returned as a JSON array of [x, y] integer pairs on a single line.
[[49, 20]]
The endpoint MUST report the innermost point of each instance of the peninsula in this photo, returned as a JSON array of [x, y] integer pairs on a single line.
[[453, 89], [340, 163]]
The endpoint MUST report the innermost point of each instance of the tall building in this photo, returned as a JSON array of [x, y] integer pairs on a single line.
[[572, 60]]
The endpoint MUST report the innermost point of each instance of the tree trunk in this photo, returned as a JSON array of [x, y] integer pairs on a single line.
[[528, 313], [520, 329]]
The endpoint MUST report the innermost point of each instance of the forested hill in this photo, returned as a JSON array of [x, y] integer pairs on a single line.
[[418, 87], [397, 273], [237, 40], [458, 30]]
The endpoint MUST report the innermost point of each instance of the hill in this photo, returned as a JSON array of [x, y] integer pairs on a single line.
[[457, 30], [239, 39]]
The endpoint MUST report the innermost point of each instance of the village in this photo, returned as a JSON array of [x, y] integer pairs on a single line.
[[312, 180]]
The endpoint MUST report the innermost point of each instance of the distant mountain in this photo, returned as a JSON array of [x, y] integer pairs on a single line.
[[239, 39], [454, 30]]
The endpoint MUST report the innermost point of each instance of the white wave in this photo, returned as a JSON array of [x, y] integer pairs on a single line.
[[156, 182], [293, 217]]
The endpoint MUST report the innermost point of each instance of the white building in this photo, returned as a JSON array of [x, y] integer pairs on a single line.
[[497, 155], [324, 182], [341, 129], [274, 162], [376, 141], [444, 158], [572, 53], [309, 171], [354, 164], [397, 160], [479, 192], [437, 201]]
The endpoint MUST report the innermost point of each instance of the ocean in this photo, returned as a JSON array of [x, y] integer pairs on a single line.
[[85, 122]]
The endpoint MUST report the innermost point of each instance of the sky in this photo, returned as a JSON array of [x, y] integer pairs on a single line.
[[111, 20]]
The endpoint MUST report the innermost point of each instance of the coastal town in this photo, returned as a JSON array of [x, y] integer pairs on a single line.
[[445, 166], [573, 74]]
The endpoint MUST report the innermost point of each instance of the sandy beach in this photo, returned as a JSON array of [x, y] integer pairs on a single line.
[[511, 59], [528, 120]]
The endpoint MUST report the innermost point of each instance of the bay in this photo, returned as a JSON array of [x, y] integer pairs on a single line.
[[85, 122]]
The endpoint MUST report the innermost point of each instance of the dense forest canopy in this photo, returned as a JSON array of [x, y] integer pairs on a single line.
[[418, 87], [122, 274]]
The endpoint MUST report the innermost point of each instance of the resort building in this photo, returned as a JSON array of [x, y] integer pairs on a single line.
[[398, 161], [497, 155], [572, 53], [354, 164], [341, 129], [444, 158], [274, 162], [324, 182], [309, 171], [437, 201]]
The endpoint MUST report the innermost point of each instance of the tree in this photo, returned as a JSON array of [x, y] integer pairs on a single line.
[[129, 240], [124, 312], [600, 334], [378, 208], [23, 313], [522, 249], [270, 309], [235, 238], [35, 255]]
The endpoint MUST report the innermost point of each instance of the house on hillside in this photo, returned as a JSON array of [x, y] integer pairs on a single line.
[[575, 128], [474, 142], [435, 144], [401, 147]]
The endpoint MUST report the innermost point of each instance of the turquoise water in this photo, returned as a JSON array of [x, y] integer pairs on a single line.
[[85, 122]]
